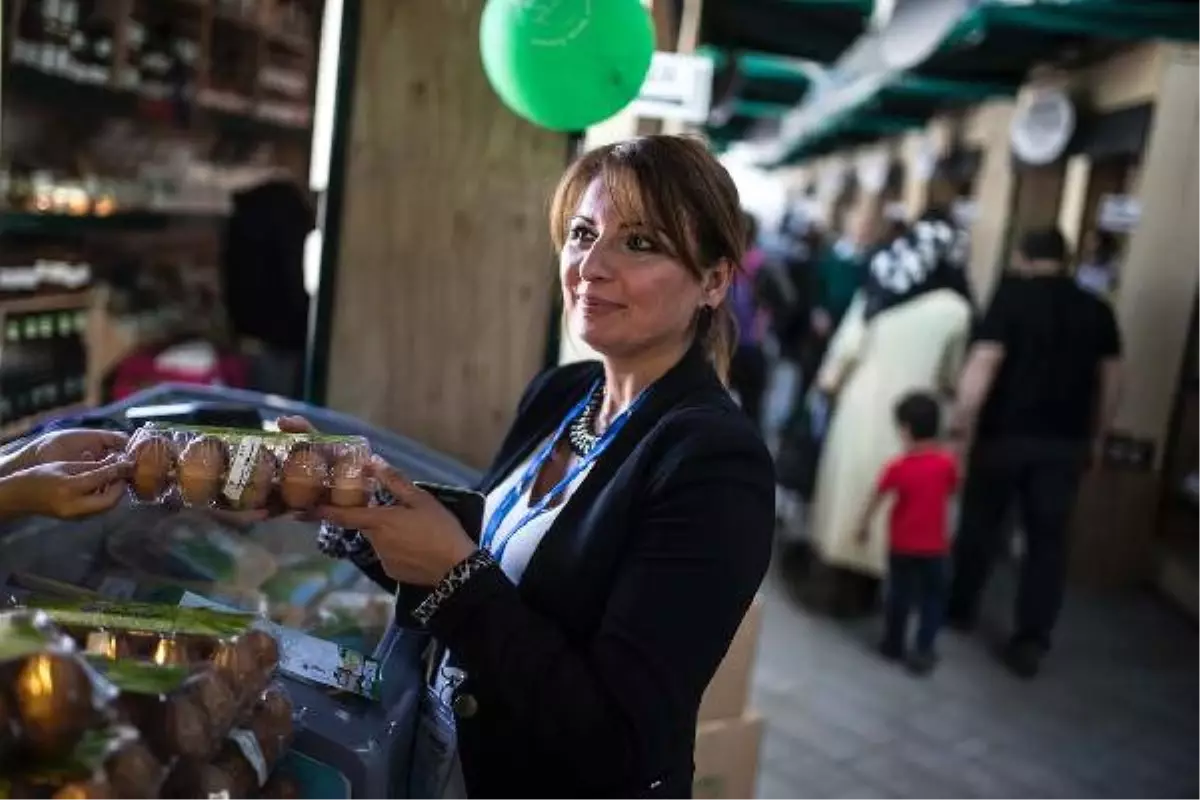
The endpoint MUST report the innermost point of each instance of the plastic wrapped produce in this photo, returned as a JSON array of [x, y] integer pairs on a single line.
[[246, 759], [105, 762], [49, 696], [242, 657], [179, 711]]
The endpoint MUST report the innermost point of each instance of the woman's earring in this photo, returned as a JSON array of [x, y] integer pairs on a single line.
[[704, 318]]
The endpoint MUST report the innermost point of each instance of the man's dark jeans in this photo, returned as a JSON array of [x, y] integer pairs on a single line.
[[1043, 476], [914, 581]]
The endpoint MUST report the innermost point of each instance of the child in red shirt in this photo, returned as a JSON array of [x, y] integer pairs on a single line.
[[922, 481]]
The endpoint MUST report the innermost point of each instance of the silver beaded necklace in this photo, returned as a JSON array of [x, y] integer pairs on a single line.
[[581, 434]]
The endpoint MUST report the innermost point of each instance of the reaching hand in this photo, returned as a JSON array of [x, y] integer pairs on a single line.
[[80, 444], [417, 541], [64, 489]]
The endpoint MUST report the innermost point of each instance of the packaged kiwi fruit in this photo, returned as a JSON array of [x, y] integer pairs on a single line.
[[247, 757], [242, 657], [49, 696], [241, 470], [103, 763]]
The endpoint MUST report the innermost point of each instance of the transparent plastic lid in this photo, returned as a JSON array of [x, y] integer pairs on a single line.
[[154, 554]]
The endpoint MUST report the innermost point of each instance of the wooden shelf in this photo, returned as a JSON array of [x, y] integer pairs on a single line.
[[66, 224], [66, 301], [100, 99], [14, 429]]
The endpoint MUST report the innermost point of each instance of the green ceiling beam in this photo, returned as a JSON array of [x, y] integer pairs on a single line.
[[911, 85], [1112, 19], [763, 66], [864, 6], [756, 109]]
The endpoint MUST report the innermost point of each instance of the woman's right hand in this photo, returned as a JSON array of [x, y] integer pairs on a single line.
[[64, 489]]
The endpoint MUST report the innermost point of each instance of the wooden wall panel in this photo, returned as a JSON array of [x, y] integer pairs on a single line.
[[445, 269], [1158, 274]]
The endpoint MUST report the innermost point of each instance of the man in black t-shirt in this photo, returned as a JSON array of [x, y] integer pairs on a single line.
[[1039, 389]]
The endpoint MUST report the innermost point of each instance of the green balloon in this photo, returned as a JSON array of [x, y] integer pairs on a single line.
[[566, 64]]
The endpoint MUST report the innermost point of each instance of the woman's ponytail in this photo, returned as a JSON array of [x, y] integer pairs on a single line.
[[716, 330]]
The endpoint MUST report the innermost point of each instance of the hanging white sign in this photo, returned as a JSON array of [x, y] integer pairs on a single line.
[[1119, 213], [678, 86], [963, 211], [871, 171], [925, 162]]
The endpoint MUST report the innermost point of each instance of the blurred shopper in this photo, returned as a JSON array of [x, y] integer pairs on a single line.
[[629, 511], [920, 483], [905, 331], [748, 371], [1038, 392], [840, 272], [786, 289], [263, 277], [1097, 270]]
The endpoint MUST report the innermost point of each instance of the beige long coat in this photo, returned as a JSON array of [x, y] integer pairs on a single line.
[[918, 345]]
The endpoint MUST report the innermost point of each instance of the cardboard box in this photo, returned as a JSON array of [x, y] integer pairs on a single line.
[[727, 757], [727, 697]]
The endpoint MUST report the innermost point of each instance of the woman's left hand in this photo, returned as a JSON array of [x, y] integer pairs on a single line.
[[418, 540]]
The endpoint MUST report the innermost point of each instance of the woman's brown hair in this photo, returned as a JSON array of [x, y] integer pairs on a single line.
[[672, 185]]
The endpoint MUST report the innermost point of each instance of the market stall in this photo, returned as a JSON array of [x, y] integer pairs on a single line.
[[349, 680]]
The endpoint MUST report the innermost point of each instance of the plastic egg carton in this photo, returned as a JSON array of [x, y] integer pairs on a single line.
[[248, 470]]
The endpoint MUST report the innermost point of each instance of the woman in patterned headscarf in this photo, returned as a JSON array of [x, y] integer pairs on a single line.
[[905, 331]]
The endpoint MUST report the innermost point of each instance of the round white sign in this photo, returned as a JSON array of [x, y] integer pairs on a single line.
[[1042, 127]]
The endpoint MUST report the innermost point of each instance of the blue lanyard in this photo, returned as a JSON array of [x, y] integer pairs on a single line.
[[535, 467]]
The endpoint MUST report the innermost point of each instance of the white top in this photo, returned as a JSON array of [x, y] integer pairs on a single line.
[[515, 559], [523, 544]]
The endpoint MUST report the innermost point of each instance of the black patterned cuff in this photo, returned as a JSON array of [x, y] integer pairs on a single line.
[[458, 575]]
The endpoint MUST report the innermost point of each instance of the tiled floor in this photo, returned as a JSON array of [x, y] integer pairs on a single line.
[[1113, 714]]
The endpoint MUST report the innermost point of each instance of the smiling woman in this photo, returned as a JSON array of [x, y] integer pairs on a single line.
[[628, 519], [650, 234]]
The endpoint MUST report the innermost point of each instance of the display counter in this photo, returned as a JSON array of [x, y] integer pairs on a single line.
[[272, 568]]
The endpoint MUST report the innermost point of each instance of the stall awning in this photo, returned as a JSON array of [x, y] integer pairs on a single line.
[[903, 103], [998, 40], [755, 85], [850, 130]]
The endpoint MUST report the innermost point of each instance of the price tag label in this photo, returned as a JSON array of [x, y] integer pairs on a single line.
[[241, 468]]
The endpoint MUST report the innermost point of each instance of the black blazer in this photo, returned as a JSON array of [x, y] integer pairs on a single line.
[[588, 676]]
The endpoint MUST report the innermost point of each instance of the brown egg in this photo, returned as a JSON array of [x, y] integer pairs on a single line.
[[258, 486], [201, 466], [153, 460], [348, 482], [54, 702], [302, 484], [263, 646], [133, 771], [94, 789]]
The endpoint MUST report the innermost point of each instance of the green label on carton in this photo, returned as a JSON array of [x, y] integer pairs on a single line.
[[146, 617], [270, 436], [140, 677]]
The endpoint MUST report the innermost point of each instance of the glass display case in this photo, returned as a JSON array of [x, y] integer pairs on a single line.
[[273, 568]]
